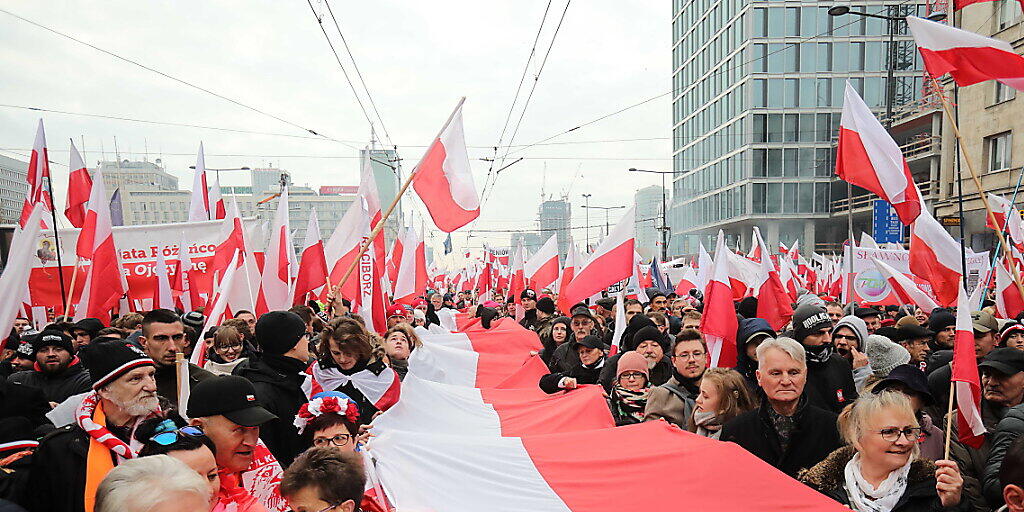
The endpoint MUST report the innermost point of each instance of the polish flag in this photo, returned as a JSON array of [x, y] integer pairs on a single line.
[[968, 57], [552, 472], [104, 282], [935, 257], [906, 290], [312, 272], [783, 249], [38, 176], [475, 357], [612, 261], [395, 256], [868, 158], [215, 200], [382, 387], [794, 252], [719, 322], [428, 406], [527, 376], [218, 306], [517, 279], [1009, 302], [542, 268], [620, 322], [79, 188], [443, 179], [162, 297], [411, 281], [199, 206], [773, 302], [965, 375], [274, 285], [704, 264], [232, 239], [1007, 219], [185, 296], [15, 276], [343, 246], [687, 282]]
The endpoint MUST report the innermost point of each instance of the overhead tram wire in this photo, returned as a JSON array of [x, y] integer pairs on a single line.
[[174, 78]]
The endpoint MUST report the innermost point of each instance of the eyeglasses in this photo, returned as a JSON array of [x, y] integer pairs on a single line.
[[338, 440], [689, 355], [235, 346], [632, 375], [166, 437], [892, 434]]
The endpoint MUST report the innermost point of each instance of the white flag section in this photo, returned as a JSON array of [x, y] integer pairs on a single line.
[[198, 207], [461, 445], [14, 280], [162, 298], [542, 268], [277, 269]]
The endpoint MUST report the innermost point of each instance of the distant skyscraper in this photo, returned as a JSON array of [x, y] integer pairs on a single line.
[[384, 163], [13, 188], [554, 217], [648, 219]]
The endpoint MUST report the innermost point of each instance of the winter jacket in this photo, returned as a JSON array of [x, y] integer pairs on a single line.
[[1007, 430], [814, 437], [549, 344], [746, 365], [14, 474], [529, 319], [564, 357], [223, 368], [21, 400], [278, 382], [671, 402], [830, 384], [659, 375], [56, 481], [167, 381], [828, 477], [973, 461], [57, 387], [582, 374]]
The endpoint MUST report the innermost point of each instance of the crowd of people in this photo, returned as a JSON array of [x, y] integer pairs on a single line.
[[850, 400]]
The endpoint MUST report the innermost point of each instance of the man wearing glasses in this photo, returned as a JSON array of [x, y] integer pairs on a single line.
[[673, 401], [163, 334]]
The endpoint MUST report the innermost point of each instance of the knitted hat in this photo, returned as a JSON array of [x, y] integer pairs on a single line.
[[809, 319], [884, 354], [528, 294], [646, 334], [89, 325], [940, 319], [25, 351], [109, 360], [193, 319], [747, 307], [52, 338], [809, 299], [278, 332], [546, 305], [632, 362]]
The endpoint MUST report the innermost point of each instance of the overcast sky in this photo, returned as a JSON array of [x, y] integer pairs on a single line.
[[417, 59]]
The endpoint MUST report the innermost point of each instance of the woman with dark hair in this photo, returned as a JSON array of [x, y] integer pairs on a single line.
[[330, 418], [227, 351], [346, 363], [399, 342], [552, 335]]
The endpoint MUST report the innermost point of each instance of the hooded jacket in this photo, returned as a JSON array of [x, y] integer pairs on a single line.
[[56, 387], [278, 381], [828, 477], [744, 364], [1008, 429], [860, 331]]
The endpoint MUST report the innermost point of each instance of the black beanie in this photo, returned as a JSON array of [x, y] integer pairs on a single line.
[[940, 319], [89, 325], [546, 305], [747, 307], [52, 338], [809, 319], [278, 332], [108, 360], [193, 319], [648, 333]]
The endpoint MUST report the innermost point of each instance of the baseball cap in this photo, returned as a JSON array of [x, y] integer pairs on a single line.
[[592, 341], [864, 312], [1009, 361], [582, 310], [911, 377], [230, 396], [984, 321]]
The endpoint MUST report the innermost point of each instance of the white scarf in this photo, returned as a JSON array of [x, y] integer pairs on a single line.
[[865, 498]]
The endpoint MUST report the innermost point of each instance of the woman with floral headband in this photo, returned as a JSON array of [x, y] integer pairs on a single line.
[[330, 418]]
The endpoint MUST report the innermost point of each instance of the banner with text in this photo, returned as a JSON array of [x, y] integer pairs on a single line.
[[871, 287]]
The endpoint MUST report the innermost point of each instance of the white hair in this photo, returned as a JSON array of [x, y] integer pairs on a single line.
[[787, 345], [140, 484]]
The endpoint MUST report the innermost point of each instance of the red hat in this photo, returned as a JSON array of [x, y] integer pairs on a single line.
[[396, 310], [419, 302]]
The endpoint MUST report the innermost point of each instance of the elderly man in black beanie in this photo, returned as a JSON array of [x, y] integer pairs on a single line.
[[278, 375], [830, 383], [57, 371]]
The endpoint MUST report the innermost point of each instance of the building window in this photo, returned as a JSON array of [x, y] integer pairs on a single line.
[[997, 148], [1007, 13], [1003, 93]]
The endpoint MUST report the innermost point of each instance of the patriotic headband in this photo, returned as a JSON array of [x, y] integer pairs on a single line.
[[340, 405]]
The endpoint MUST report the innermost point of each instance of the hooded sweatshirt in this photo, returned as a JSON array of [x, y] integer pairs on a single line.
[[747, 328], [860, 330]]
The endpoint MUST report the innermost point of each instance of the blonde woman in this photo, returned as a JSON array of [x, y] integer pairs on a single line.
[[723, 396], [880, 470]]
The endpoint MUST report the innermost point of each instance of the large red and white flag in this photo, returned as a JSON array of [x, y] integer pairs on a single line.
[[687, 282], [411, 281], [162, 296], [104, 284], [719, 322], [572, 262], [79, 188], [542, 268], [198, 207], [312, 274], [935, 257], [1009, 302], [395, 256], [14, 280], [905, 288], [1007, 219], [968, 57], [965, 375], [218, 306], [869, 158], [611, 262], [474, 357], [444, 180], [277, 267], [38, 176], [773, 302], [343, 247]]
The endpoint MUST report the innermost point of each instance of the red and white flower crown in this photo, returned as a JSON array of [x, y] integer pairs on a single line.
[[318, 406]]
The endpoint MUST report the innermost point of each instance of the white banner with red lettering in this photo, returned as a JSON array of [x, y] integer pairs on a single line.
[[871, 287]]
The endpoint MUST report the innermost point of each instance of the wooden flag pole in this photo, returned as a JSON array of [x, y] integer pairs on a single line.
[[977, 183], [71, 292], [179, 360], [949, 418], [380, 225]]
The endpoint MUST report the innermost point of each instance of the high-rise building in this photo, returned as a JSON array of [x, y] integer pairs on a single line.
[[649, 202], [387, 174], [554, 217], [757, 95], [268, 180], [149, 194], [13, 189]]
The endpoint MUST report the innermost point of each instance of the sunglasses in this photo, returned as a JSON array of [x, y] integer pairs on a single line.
[[165, 437]]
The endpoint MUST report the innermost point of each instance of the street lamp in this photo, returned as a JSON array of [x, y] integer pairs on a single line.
[[586, 222], [664, 210], [217, 171], [607, 221], [890, 81]]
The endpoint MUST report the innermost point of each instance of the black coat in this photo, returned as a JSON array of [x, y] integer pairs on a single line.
[[814, 437], [828, 478], [278, 382], [582, 374], [57, 387], [56, 481], [830, 384], [22, 400], [1009, 429]]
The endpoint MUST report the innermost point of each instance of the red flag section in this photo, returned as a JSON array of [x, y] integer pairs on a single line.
[[38, 175], [104, 284], [773, 302], [968, 57], [444, 180], [312, 272], [935, 257], [611, 262], [719, 322], [541, 269], [1009, 302], [965, 376], [79, 188]]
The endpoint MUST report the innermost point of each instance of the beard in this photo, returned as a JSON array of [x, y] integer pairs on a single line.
[[142, 404]]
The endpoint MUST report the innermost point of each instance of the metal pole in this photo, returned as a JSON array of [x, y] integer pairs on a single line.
[[56, 241], [664, 220], [999, 244]]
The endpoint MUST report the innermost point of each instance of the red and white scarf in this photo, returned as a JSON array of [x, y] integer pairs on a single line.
[[100, 433]]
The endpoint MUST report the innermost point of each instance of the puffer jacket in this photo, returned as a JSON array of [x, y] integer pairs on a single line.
[[828, 477], [582, 374], [1007, 430]]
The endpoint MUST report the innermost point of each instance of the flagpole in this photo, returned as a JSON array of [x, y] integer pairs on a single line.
[[56, 238], [981, 193], [405, 185], [949, 418]]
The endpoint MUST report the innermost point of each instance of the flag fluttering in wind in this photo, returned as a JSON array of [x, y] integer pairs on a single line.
[[278, 263], [965, 375], [773, 301], [14, 280], [905, 288], [312, 272], [719, 324], [611, 262], [935, 257], [542, 268], [38, 176], [444, 180], [968, 57], [79, 188], [104, 283]]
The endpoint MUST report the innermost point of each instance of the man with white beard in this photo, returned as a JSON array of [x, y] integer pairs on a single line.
[[70, 462]]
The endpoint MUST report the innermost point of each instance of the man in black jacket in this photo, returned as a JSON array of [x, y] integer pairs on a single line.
[[830, 383], [278, 376], [163, 335], [591, 353], [786, 431], [57, 372]]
